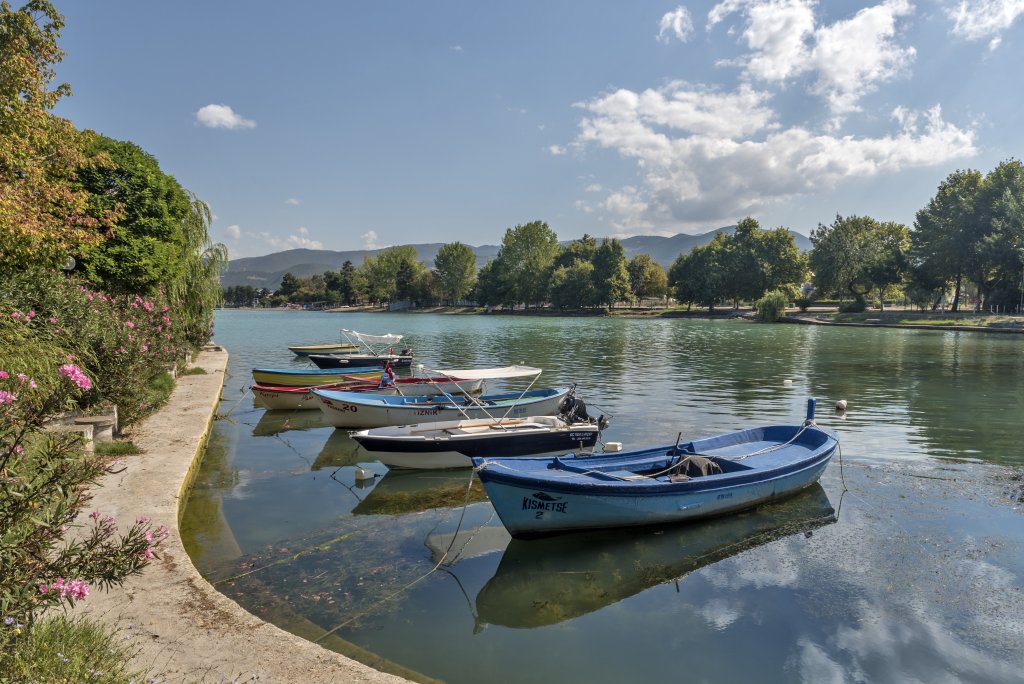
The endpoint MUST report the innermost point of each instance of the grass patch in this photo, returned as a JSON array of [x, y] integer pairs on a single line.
[[117, 448], [62, 649], [194, 370]]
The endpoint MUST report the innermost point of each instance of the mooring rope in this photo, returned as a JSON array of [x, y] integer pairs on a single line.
[[416, 581]]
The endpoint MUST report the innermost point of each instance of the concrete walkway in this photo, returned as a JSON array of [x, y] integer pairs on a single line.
[[187, 631]]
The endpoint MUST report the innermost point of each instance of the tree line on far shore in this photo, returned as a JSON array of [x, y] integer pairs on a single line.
[[970, 236]]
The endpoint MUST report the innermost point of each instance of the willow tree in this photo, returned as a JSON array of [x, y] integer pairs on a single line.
[[196, 290]]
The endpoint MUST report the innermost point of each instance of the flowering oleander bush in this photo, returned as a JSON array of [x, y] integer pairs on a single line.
[[120, 341], [47, 559]]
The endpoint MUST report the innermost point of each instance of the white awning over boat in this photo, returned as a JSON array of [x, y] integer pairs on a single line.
[[487, 373], [390, 338]]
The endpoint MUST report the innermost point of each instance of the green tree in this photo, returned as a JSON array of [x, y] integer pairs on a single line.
[[572, 286], [525, 261], [699, 276], [44, 216], [947, 232], [583, 249], [492, 287], [455, 271], [646, 277], [196, 289], [147, 238], [611, 278], [856, 254], [289, 285]]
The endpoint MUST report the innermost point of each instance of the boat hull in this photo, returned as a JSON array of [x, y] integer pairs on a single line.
[[302, 398], [309, 378], [541, 500], [452, 444], [352, 411], [347, 360], [339, 348]]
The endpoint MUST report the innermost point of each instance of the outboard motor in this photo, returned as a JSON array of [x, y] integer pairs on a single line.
[[574, 409]]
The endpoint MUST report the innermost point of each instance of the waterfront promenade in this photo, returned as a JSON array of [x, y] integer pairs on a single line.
[[185, 630]]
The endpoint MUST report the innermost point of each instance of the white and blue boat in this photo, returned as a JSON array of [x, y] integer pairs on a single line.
[[356, 410], [685, 481]]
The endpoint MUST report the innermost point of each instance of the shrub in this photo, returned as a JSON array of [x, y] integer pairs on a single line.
[[44, 477], [771, 306]]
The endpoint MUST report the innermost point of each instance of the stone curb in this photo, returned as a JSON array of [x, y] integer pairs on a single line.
[[186, 630]]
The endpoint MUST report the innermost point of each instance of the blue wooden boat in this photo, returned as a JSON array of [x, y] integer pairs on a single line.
[[697, 479]]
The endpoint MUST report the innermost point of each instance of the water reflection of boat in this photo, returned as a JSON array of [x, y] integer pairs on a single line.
[[413, 491], [339, 450], [546, 581], [274, 422]]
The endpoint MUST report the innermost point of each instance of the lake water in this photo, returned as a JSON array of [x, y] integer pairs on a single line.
[[913, 574]]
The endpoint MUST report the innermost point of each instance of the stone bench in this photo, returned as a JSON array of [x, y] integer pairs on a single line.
[[102, 427], [86, 431]]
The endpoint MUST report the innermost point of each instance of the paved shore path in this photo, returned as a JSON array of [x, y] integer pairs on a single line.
[[185, 629]]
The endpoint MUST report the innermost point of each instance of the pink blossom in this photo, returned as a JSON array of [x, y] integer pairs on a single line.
[[148, 554], [18, 449], [94, 515], [7, 397], [51, 320], [78, 589], [16, 314], [143, 520], [135, 305], [75, 374], [32, 313], [90, 297], [149, 536], [22, 377], [130, 324], [162, 532], [44, 589], [4, 375], [145, 347], [32, 384], [147, 306]]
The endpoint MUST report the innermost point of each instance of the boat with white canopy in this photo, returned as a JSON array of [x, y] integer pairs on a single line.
[[374, 352]]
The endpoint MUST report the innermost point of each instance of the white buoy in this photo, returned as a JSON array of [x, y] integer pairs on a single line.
[[612, 447], [787, 382], [364, 474], [841, 405]]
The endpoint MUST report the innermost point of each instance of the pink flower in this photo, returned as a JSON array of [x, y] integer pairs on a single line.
[[90, 297], [32, 384], [22, 377], [7, 397], [148, 554], [130, 324], [145, 347], [44, 589], [77, 589], [51, 320], [16, 314], [143, 520], [75, 375], [4, 375], [94, 515], [32, 313], [149, 536]]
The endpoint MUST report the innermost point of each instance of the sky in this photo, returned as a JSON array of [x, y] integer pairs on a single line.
[[347, 125]]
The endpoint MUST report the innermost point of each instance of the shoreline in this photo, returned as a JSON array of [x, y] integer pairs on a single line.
[[186, 630], [1014, 326]]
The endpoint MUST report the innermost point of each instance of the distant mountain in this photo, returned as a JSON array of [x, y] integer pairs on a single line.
[[267, 271]]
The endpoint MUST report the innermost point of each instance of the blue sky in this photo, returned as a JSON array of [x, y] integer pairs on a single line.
[[343, 125]]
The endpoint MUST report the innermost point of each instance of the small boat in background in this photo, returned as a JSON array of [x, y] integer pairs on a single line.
[[279, 397], [698, 479], [374, 354], [342, 361], [338, 348], [310, 376]]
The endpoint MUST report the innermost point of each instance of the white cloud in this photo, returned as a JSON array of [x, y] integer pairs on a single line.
[[456, 48], [979, 19], [852, 56], [369, 239], [221, 116], [299, 241], [849, 57], [706, 156], [556, 149], [234, 232], [292, 201], [675, 24]]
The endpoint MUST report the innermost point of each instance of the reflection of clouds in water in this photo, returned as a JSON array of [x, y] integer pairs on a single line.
[[773, 565], [816, 667], [886, 647], [720, 613]]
